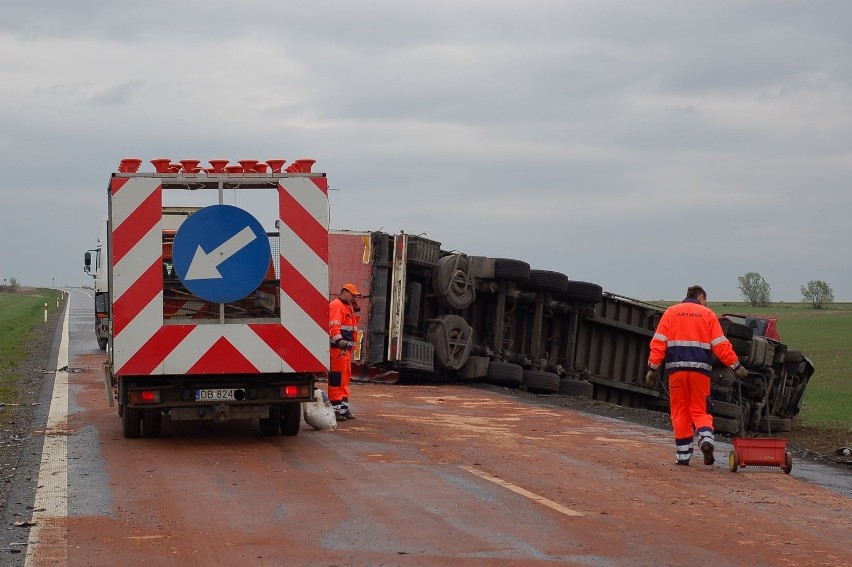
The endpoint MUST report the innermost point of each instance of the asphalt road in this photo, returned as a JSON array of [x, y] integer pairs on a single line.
[[427, 475]]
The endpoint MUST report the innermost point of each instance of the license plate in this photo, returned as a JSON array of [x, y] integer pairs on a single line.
[[214, 394]]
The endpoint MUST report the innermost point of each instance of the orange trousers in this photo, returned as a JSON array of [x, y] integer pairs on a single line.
[[339, 375], [689, 403]]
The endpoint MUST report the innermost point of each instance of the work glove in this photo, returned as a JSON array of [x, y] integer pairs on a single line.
[[345, 345], [651, 378], [741, 372]]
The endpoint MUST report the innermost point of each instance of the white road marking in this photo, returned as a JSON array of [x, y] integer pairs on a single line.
[[48, 541], [523, 492]]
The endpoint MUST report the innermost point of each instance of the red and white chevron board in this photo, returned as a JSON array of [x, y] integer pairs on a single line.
[[144, 345]]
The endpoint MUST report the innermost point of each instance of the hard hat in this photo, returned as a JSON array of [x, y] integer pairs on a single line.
[[350, 287], [319, 414]]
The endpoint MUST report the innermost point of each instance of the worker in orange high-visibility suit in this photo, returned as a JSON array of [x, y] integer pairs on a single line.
[[688, 335], [342, 330]]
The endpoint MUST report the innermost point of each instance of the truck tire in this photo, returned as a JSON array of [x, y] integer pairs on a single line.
[[505, 374], [540, 382], [572, 387], [722, 408], [775, 424], [131, 422], [453, 282], [584, 291], [152, 424], [271, 425], [738, 331], [452, 338], [741, 347], [545, 280], [423, 252], [793, 356], [291, 419], [728, 425], [723, 375], [513, 270]]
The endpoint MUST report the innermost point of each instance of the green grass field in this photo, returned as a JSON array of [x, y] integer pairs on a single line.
[[20, 313], [825, 337]]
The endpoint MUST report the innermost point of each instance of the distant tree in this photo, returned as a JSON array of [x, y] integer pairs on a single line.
[[817, 293], [754, 289], [13, 285]]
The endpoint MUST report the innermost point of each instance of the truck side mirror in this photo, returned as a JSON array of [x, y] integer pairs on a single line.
[[87, 262]]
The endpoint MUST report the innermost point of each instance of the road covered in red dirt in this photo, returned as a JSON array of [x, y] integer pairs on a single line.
[[426, 475]]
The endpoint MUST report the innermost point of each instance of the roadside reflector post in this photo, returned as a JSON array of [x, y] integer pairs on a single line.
[[45, 311]]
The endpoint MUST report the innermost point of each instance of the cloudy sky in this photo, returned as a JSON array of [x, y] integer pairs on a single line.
[[644, 146]]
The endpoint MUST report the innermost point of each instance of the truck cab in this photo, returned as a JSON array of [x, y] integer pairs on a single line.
[[94, 265]]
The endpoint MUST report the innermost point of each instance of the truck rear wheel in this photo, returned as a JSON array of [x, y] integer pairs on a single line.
[[152, 424], [513, 270], [505, 374], [270, 425], [546, 280], [540, 382], [131, 422], [574, 387], [587, 292], [291, 419]]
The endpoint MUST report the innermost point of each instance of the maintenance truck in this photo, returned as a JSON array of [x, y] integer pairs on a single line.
[[212, 314]]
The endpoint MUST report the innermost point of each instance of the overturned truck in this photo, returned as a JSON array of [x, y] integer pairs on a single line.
[[446, 315]]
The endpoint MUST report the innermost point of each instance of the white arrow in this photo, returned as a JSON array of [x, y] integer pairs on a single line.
[[205, 266]]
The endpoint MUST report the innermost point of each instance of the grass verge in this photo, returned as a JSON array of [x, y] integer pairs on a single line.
[[20, 314]]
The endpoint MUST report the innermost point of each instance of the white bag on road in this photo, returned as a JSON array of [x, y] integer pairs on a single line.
[[319, 414]]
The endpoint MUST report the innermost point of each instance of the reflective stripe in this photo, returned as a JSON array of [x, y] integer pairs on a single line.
[[659, 337], [705, 435], [686, 365], [683, 449], [698, 344], [334, 323], [718, 340]]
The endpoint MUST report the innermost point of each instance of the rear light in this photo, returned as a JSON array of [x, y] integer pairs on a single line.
[[101, 315], [295, 391], [145, 397]]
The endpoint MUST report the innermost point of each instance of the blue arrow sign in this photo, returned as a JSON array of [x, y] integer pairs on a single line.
[[221, 253]]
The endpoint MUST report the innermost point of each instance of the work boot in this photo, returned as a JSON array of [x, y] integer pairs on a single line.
[[682, 463], [339, 413], [707, 450], [346, 411]]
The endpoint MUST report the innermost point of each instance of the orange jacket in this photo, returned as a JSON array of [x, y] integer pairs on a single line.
[[687, 337], [341, 326]]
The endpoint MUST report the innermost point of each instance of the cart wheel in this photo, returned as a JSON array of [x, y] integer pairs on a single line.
[[733, 460], [788, 463]]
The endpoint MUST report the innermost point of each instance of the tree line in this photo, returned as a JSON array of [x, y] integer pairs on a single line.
[[755, 290]]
